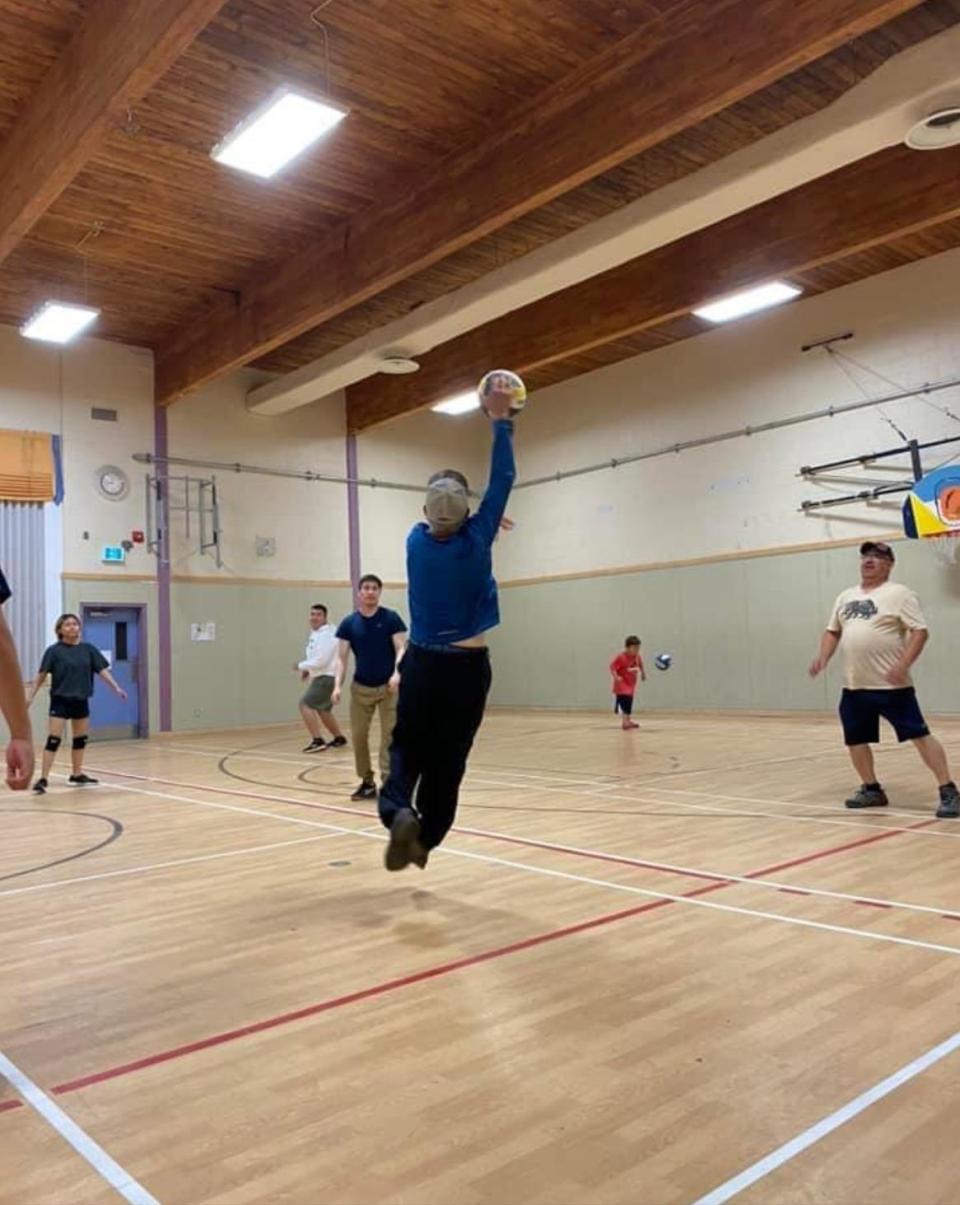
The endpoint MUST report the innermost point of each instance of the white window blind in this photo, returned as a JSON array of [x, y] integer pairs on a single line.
[[23, 561]]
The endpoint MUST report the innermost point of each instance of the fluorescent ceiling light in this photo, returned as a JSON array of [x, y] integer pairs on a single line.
[[55, 322], [268, 139], [748, 302], [462, 403]]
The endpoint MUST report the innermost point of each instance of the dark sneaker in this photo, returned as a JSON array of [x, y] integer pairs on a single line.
[[338, 742], [315, 745], [868, 797], [366, 790], [82, 780], [419, 855], [40, 786], [949, 808], [403, 843]]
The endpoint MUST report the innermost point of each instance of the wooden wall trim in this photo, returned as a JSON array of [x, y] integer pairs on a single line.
[[744, 554]]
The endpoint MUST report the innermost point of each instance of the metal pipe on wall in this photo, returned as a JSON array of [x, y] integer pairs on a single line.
[[564, 474]]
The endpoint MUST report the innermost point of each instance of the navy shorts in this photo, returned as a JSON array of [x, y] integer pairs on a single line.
[[623, 705], [860, 712], [62, 708]]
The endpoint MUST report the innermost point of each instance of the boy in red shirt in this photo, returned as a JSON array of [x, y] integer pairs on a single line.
[[626, 667]]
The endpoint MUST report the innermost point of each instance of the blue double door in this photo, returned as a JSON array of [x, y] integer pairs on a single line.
[[117, 633]]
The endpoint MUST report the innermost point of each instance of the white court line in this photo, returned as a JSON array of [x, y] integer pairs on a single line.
[[864, 934], [785, 803], [129, 870], [667, 868], [600, 789], [740, 814], [853, 1108], [108, 1169], [719, 876]]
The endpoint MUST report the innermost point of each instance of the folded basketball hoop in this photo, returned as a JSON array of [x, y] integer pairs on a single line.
[[932, 513]]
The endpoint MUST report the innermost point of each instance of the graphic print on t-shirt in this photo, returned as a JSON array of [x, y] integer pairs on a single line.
[[860, 608]]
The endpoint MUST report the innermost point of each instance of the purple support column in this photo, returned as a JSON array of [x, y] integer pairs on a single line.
[[353, 510], [163, 570]]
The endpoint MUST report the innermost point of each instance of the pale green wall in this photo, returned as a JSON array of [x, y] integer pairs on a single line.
[[742, 633], [245, 675]]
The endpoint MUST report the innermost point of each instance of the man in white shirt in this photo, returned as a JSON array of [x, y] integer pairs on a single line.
[[881, 630], [319, 668]]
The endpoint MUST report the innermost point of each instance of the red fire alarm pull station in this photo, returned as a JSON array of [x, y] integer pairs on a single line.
[[137, 537]]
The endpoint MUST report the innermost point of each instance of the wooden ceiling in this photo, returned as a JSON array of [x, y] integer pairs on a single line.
[[181, 254]]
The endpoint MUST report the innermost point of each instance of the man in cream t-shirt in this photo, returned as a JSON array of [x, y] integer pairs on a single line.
[[881, 632]]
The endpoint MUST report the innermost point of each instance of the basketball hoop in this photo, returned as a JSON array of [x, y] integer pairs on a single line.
[[945, 546]]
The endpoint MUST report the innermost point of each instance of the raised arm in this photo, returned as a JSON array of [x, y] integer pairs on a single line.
[[503, 471]]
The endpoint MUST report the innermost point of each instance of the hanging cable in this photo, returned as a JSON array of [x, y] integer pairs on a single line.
[[897, 385], [837, 358], [315, 20]]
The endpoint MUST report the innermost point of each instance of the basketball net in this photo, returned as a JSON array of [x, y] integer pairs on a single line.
[[945, 547]]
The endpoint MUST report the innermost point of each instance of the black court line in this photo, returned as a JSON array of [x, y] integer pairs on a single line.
[[116, 831]]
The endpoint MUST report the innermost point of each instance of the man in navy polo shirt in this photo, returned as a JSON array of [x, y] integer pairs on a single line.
[[376, 636], [445, 674]]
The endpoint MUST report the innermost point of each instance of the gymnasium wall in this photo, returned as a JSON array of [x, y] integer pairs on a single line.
[[409, 451], [742, 626], [258, 604]]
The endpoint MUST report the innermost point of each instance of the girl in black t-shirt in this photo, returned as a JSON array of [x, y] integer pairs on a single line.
[[70, 664]]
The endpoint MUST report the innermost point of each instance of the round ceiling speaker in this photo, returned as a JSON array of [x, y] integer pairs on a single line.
[[398, 366], [939, 130]]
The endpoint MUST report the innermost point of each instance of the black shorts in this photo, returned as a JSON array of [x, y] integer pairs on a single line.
[[624, 704], [860, 712], [62, 708]]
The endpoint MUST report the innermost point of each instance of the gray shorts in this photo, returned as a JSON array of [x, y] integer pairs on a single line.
[[318, 693]]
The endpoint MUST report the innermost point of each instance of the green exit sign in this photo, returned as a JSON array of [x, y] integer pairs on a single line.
[[113, 554]]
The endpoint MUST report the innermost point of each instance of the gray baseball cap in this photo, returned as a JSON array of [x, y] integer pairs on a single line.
[[447, 505]]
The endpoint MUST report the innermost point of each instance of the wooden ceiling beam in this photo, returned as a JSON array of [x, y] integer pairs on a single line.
[[890, 194], [667, 75], [118, 52]]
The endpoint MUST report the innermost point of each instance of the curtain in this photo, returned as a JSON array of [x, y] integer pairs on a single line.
[[23, 561]]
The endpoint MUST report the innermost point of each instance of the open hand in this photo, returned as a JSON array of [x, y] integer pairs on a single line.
[[497, 404]]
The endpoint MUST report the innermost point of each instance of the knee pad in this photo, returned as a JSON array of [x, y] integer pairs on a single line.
[[80, 742], [53, 744]]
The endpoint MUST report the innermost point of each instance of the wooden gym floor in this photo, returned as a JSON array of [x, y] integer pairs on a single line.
[[643, 963]]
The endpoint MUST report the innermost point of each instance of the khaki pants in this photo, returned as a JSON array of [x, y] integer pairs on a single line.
[[364, 701]]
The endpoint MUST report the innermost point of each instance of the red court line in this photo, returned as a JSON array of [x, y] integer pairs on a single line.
[[7, 1105], [826, 853], [418, 976], [625, 860], [367, 993], [429, 973]]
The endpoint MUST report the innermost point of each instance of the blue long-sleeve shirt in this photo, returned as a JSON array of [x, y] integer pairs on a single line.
[[452, 590]]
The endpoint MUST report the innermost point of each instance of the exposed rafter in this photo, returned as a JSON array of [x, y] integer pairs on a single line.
[[118, 52], [889, 194], [664, 77]]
